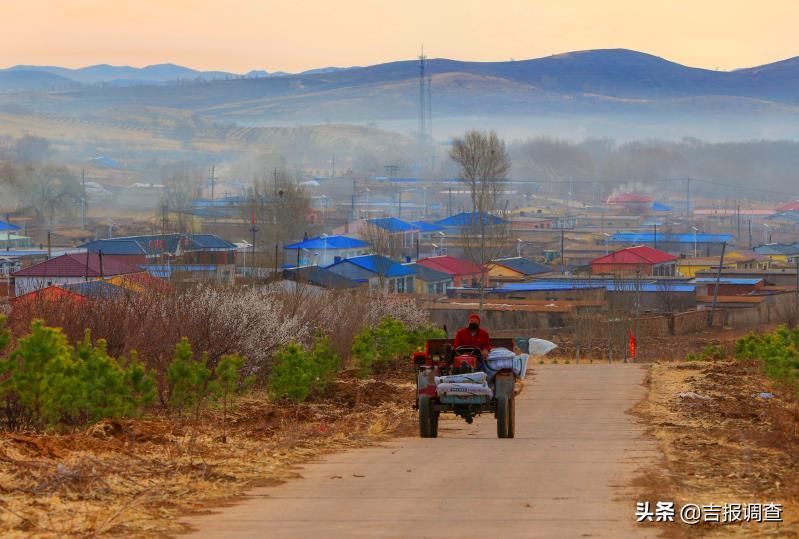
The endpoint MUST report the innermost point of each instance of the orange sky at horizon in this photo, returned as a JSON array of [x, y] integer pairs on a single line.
[[240, 35]]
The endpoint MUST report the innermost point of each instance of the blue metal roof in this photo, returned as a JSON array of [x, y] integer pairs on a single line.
[[115, 247], [96, 289], [22, 252], [777, 249], [8, 227], [611, 286], [319, 277], [392, 224], [727, 280], [549, 285], [164, 271], [649, 287], [377, 264], [429, 275], [463, 219], [328, 242], [427, 227], [649, 237], [203, 242], [158, 243], [657, 206]]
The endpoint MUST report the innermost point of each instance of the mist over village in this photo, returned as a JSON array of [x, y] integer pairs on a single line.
[[268, 271]]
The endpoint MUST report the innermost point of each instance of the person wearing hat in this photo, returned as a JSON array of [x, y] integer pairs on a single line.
[[473, 335]]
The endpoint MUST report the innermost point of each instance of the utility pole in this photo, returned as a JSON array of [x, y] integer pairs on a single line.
[[738, 223], [562, 234], [750, 234], [716, 288], [213, 181], [253, 230], [399, 203], [352, 208], [274, 173], [655, 226], [687, 197], [83, 199], [449, 207]]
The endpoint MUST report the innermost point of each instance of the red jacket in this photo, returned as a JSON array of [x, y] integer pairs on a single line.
[[464, 337]]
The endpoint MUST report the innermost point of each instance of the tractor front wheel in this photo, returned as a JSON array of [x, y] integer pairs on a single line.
[[428, 418]]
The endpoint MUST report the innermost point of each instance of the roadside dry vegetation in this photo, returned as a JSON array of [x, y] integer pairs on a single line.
[[136, 476], [171, 401], [728, 433]]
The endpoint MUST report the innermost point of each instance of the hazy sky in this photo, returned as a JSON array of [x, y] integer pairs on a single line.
[[292, 35]]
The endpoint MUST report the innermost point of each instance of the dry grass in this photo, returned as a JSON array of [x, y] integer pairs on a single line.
[[731, 448], [134, 477]]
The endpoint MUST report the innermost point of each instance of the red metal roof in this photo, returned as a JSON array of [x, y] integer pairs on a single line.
[[78, 265], [641, 254], [790, 206], [626, 198], [450, 265]]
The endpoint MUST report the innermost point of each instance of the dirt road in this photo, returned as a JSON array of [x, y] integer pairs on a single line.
[[566, 474]]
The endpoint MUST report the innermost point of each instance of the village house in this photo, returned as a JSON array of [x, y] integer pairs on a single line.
[[463, 272], [640, 260], [378, 271], [516, 269], [325, 250], [429, 280], [68, 269]]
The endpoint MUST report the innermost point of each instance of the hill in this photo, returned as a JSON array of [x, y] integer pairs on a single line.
[[609, 82]]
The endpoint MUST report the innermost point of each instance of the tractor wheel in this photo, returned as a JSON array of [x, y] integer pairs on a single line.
[[428, 419], [434, 424], [512, 418], [503, 416]]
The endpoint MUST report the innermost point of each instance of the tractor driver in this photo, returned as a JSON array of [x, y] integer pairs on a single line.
[[473, 335]]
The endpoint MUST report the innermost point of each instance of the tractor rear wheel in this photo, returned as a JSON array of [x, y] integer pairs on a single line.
[[428, 418], [512, 418], [503, 416]]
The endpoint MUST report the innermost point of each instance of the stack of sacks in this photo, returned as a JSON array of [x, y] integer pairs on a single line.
[[502, 358], [473, 384]]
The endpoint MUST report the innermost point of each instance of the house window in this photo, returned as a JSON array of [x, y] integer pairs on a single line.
[[391, 285], [400, 285]]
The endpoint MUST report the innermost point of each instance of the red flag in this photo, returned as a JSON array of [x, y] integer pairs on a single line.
[[632, 344], [253, 217]]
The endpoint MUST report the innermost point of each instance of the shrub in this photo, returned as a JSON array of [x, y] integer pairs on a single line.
[[778, 351], [711, 352], [47, 381], [299, 373], [292, 374], [189, 379], [364, 351], [375, 347], [230, 381]]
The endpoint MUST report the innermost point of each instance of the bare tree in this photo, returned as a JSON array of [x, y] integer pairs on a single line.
[[484, 164], [386, 245], [180, 189], [50, 190], [281, 209]]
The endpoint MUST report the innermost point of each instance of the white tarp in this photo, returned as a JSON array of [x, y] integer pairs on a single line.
[[540, 347]]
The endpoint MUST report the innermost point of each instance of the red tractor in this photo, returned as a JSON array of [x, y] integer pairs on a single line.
[[440, 360]]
